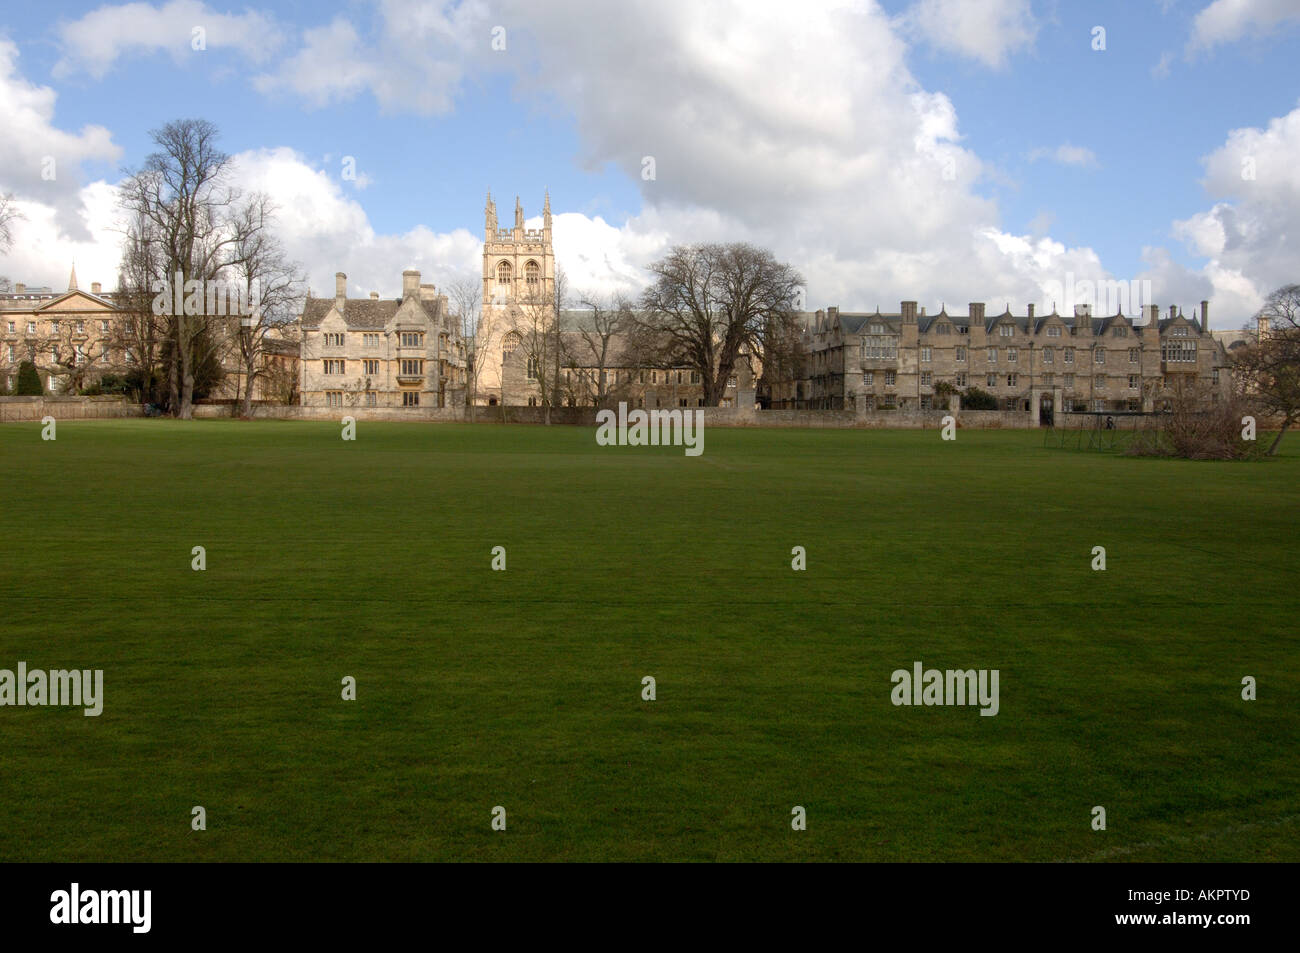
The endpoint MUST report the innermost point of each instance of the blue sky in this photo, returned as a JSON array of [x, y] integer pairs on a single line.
[[794, 125]]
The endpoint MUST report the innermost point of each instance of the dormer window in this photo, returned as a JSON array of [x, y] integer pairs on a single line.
[[1006, 330]]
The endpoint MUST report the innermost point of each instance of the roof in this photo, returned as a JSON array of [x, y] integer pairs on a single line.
[[361, 314]]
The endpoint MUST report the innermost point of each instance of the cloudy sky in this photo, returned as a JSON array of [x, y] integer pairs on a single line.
[[941, 150]]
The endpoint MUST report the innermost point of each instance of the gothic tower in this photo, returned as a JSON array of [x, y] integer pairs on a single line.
[[518, 263], [518, 278]]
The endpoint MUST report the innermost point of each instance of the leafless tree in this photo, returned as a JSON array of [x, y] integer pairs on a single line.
[[480, 330], [137, 331], [1267, 370], [541, 340], [183, 202], [272, 286], [8, 215], [710, 303], [603, 340]]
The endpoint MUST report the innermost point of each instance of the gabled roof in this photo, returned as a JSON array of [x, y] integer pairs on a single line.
[[359, 314], [74, 293]]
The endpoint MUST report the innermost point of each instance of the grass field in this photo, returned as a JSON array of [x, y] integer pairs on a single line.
[[523, 688]]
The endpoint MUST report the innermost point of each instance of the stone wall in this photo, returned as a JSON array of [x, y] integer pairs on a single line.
[[586, 416], [66, 408]]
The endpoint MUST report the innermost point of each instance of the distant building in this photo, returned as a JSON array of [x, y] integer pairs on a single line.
[[373, 352], [1029, 362], [73, 337]]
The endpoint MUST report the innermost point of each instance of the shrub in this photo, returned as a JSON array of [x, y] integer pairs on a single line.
[[976, 399], [29, 382]]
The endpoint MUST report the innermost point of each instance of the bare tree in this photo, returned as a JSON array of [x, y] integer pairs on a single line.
[[8, 215], [602, 339], [137, 331], [184, 204], [479, 329], [541, 341], [272, 286], [709, 303], [69, 357], [1267, 370]]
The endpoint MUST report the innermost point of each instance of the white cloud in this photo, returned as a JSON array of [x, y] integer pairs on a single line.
[[985, 30], [1066, 154], [97, 40], [415, 63], [1225, 21], [797, 128], [41, 162], [1248, 235]]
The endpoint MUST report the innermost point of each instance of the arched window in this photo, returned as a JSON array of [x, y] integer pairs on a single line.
[[513, 340], [504, 274], [532, 273]]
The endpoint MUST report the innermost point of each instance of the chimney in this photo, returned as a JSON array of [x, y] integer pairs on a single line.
[[908, 309], [410, 283], [20, 288], [428, 292], [1205, 317], [977, 314], [95, 287], [1031, 314], [340, 286], [374, 296], [1153, 315], [1173, 312], [832, 318], [1083, 311], [1263, 323]]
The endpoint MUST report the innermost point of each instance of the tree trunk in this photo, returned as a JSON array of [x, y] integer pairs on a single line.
[[173, 373], [1272, 451], [187, 374], [246, 409]]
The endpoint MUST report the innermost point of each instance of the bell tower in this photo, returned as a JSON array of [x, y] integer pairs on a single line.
[[518, 277]]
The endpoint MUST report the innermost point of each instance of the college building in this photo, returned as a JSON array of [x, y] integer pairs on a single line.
[[1029, 362], [381, 352], [73, 336]]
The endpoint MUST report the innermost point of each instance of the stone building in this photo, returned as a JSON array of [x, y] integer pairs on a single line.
[[373, 352], [73, 337], [518, 302], [598, 368], [516, 343], [1034, 363]]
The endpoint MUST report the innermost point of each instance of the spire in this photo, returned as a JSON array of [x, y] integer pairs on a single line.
[[519, 214], [490, 218], [72, 278], [546, 212]]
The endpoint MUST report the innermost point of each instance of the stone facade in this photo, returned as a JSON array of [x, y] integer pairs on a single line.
[[373, 352], [1029, 363], [72, 337]]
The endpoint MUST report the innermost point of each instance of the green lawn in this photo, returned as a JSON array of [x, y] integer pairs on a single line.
[[523, 688]]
